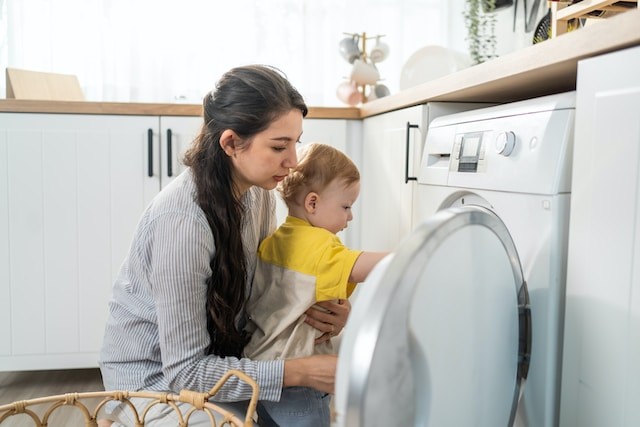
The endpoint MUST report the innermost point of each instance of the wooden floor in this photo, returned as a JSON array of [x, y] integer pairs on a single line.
[[26, 385]]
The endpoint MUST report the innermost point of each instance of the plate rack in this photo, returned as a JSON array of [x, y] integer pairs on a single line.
[[564, 11]]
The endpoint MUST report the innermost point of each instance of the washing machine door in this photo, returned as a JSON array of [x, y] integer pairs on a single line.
[[440, 333]]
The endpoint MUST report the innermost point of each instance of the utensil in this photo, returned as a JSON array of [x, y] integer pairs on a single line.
[[543, 30], [529, 21], [533, 14]]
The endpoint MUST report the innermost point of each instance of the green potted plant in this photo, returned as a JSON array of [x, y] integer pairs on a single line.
[[480, 19]]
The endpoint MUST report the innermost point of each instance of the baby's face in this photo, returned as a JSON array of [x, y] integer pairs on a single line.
[[333, 208]]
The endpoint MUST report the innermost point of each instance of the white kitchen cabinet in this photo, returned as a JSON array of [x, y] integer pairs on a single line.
[[602, 320], [72, 188], [176, 135], [392, 146], [390, 158]]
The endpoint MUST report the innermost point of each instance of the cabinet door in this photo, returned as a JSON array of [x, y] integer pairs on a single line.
[[386, 196], [602, 319], [176, 135], [72, 189]]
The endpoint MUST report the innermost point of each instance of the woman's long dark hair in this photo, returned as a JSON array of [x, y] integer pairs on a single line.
[[246, 100]]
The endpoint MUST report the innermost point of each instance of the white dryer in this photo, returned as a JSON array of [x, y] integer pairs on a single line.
[[461, 325]]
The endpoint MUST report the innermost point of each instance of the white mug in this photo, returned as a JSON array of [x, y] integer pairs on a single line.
[[348, 93], [379, 52], [349, 48], [364, 73]]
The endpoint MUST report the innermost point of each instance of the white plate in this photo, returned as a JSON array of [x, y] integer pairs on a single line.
[[429, 63]]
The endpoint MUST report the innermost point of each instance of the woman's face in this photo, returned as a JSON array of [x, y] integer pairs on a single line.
[[269, 155]]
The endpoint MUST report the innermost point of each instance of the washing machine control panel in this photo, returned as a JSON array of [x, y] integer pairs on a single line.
[[469, 153], [519, 147]]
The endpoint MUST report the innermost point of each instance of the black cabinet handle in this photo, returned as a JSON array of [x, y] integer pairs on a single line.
[[408, 178], [150, 152], [169, 155]]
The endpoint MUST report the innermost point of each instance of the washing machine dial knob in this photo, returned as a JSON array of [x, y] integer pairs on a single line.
[[505, 142]]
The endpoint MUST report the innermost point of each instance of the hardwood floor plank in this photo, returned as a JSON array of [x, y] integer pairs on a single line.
[[25, 385]]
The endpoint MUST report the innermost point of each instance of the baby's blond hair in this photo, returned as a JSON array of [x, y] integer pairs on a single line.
[[318, 166]]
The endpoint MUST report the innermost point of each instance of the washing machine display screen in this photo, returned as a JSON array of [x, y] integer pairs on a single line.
[[469, 152], [470, 146]]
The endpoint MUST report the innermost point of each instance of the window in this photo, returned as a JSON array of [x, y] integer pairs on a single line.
[[174, 51]]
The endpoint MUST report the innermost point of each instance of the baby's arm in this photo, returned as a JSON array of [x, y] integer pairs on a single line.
[[364, 264]]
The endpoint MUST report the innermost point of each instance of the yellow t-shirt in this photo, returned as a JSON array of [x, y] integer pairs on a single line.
[[298, 265]]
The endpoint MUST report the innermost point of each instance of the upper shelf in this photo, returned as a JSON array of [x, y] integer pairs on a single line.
[[564, 11]]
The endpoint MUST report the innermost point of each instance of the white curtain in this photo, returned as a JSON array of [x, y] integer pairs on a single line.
[[174, 51]]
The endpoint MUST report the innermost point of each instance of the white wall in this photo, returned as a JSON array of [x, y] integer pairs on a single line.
[[160, 50]]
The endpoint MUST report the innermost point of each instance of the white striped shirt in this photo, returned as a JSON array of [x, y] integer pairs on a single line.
[[156, 334]]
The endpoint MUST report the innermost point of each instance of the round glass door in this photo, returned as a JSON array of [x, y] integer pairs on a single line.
[[440, 332]]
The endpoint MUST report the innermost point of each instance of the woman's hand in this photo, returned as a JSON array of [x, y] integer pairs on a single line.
[[318, 372], [330, 322]]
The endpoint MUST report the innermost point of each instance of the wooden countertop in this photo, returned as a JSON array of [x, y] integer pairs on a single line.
[[144, 109], [542, 69]]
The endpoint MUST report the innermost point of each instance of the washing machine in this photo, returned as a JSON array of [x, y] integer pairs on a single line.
[[462, 324]]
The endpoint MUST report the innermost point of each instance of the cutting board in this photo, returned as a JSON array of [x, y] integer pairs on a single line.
[[27, 84]]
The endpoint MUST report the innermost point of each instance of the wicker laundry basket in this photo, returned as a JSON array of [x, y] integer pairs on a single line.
[[195, 402]]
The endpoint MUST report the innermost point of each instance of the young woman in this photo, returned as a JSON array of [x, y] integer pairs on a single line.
[[177, 313]]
